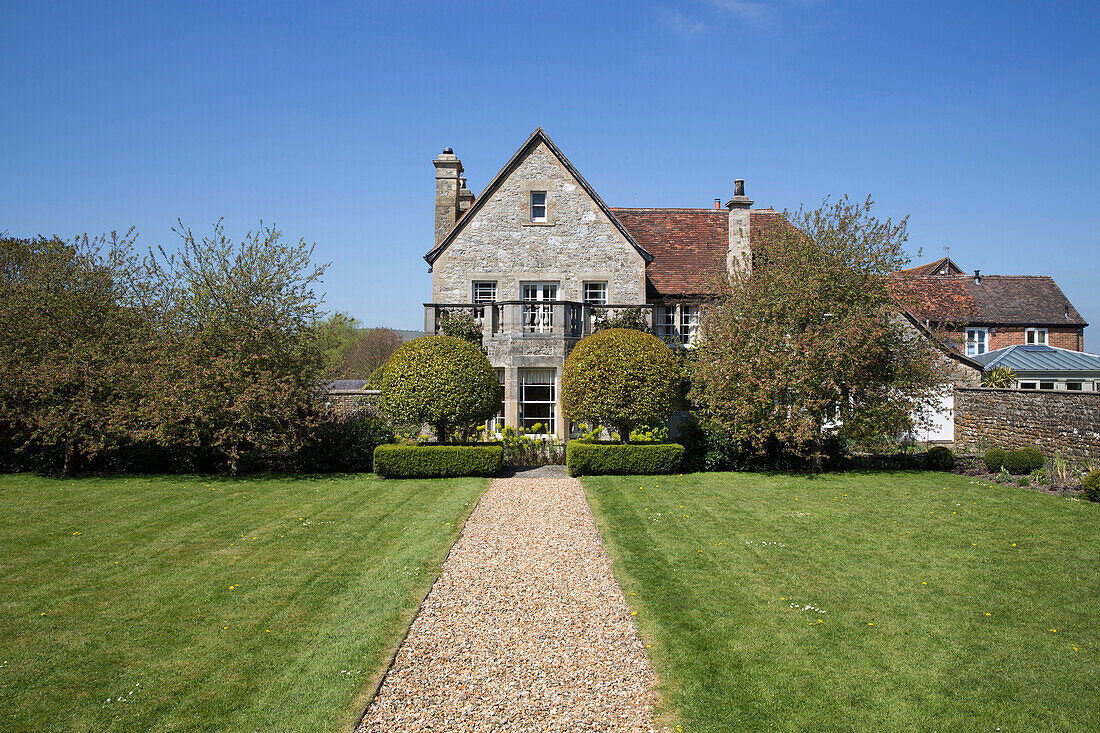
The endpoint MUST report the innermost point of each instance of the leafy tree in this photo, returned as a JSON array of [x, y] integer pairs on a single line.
[[621, 377], [370, 350], [241, 351], [443, 381], [337, 334], [73, 336], [810, 335]]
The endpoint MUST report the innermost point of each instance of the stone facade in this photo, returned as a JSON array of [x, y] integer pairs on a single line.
[[1051, 421], [577, 243]]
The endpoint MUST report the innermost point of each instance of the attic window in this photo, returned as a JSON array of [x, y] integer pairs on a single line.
[[538, 207]]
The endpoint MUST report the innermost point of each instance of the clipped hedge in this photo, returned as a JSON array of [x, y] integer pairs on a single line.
[[1023, 461], [994, 459], [437, 461], [596, 459], [939, 458]]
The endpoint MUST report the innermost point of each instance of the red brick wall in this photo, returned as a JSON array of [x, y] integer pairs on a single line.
[[1064, 337]]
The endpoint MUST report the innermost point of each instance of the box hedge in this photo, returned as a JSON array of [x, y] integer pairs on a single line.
[[939, 458], [1023, 461], [437, 461], [596, 459]]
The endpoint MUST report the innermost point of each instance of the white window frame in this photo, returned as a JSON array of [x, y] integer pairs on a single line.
[[496, 423], [689, 324], [538, 308], [1029, 385], [1075, 385], [484, 291], [1053, 385], [539, 210], [594, 292], [664, 322], [1035, 337], [977, 341], [533, 379]]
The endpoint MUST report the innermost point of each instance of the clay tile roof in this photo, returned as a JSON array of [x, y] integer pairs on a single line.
[[932, 268], [688, 246], [996, 300]]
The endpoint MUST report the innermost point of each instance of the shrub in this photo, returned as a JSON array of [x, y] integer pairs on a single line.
[[460, 325], [345, 443], [939, 458], [436, 461], [443, 381], [374, 381], [1091, 486], [1023, 461], [1039, 476], [535, 448], [995, 459], [1001, 377], [632, 318], [622, 378], [597, 459], [1024, 481]]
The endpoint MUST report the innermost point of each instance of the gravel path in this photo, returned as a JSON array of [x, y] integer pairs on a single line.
[[525, 629]]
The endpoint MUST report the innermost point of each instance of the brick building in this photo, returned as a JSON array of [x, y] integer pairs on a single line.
[[990, 312]]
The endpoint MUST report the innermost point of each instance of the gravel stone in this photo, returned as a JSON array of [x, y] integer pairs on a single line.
[[524, 630]]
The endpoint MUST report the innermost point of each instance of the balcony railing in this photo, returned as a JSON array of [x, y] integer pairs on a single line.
[[564, 318]]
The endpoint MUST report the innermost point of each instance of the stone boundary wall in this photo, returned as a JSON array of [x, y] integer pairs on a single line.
[[345, 401], [1018, 418]]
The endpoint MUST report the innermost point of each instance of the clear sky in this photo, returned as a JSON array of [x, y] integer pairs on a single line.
[[978, 119]]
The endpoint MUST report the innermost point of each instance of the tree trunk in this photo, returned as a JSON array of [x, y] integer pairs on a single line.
[[624, 433], [67, 461]]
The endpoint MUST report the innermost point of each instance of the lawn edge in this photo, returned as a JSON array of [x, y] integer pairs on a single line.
[[384, 670], [665, 714]]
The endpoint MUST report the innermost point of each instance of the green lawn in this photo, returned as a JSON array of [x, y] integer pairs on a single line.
[[870, 601], [174, 603]]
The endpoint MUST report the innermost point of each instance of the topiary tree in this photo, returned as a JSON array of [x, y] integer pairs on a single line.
[[621, 377], [939, 458], [443, 381], [1091, 486]]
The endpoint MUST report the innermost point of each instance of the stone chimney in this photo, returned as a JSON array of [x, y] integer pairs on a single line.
[[448, 184], [738, 254], [465, 198]]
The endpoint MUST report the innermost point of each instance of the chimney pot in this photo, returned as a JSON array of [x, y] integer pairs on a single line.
[[739, 187], [717, 203], [978, 276]]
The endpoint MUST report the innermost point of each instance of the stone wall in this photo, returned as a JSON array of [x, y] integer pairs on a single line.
[[346, 401], [577, 242], [1018, 418]]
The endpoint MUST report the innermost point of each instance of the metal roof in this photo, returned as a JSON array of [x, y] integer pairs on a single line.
[[1021, 358]]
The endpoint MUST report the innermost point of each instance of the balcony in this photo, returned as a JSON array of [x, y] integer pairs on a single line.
[[534, 318]]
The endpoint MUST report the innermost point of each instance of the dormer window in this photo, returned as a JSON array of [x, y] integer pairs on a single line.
[[538, 207]]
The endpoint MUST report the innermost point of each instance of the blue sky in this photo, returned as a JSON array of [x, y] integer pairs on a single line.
[[977, 119]]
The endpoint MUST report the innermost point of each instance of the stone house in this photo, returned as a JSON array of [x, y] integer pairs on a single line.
[[990, 312], [538, 258]]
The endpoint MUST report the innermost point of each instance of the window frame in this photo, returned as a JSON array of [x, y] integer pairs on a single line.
[[1075, 385], [1035, 332], [584, 292], [477, 298], [977, 346], [665, 328], [525, 374], [1043, 385], [1029, 385], [689, 328], [532, 217]]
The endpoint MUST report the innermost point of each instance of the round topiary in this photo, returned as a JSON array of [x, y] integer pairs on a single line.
[[623, 378], [1091, 486], [1024, 461], [995, 459], [374, 381], [443, 381], [939, 458]]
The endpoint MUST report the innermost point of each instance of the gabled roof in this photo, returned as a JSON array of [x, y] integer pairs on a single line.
[[538, 136], [689, 246], [1020, 358], [1016, 300], [942, 266]]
